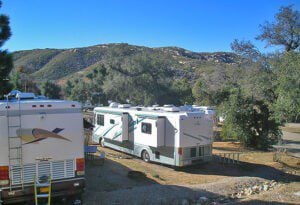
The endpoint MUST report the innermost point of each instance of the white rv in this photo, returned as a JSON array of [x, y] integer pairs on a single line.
[[40, 138], [160, 134]]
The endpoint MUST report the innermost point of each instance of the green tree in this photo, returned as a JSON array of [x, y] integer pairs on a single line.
[[200, 93], [287, 104], [81, 91], [285, 31], [182, 89], [248, 120], [141, 79], [245, 49], [67, 88], [16, 81], [6, 63], [50, 90]]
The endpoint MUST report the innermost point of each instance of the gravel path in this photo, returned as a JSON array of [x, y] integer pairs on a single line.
[[172, 194], [292, 139]]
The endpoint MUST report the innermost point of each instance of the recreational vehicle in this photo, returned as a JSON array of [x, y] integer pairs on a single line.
[[159, 134], [40, 139]]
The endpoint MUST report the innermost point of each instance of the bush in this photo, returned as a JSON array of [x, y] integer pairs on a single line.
[[249, 120]]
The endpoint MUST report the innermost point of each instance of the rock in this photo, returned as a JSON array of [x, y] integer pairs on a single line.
[[297, 193], [273, 184], [266, 187], [248, 191], [255, 188]]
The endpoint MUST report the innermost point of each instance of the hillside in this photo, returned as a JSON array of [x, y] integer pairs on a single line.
[[59, 64]]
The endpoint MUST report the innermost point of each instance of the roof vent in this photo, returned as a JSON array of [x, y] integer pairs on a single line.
[[113, 104], [124, 106], [169, 105], [171, 109]]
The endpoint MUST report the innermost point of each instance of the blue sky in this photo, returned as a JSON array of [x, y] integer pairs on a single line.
[[196, 25]]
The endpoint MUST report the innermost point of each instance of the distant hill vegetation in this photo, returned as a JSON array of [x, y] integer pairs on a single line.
[[142, 75], [62, 64]]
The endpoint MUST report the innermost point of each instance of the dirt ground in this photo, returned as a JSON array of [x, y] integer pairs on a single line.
[[123, 177]]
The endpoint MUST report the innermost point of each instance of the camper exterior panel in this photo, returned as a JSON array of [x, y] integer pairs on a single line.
[[51, 130], [110, 129], [54, 147], [195, 129], [163, 155]]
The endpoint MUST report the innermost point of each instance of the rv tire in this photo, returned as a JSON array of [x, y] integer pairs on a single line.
[[145, 156]]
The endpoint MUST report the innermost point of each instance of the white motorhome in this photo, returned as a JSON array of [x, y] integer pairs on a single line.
[[40, 138], [160, 134]]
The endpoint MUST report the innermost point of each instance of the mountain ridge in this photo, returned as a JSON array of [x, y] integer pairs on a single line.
[[58, 64]]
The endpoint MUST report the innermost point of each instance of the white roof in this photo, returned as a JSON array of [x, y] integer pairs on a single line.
[[41, 103], [159, 111]]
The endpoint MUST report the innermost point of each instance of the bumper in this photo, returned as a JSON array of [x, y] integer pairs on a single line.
[[194, 161], [59, 188]]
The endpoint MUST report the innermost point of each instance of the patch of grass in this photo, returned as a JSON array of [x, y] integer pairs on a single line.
[[155, 175], [136, 175]]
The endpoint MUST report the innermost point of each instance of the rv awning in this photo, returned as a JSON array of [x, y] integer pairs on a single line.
[[149, 116]]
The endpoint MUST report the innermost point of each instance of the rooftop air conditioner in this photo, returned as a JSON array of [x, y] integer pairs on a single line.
[[124, 106]]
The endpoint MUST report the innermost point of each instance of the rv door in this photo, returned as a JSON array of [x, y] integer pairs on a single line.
[[125, 126], [161, 131]]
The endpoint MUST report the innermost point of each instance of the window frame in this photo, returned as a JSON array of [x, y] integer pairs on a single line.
[[100, 119], [147, 131]]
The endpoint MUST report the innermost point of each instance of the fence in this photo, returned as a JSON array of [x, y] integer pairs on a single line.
[[227, 157]]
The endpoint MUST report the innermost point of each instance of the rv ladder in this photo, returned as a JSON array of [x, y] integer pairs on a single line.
[[42, 190], [14, 143]]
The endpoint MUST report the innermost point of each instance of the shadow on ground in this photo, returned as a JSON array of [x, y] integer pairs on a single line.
[[113, 183], [242, 169]]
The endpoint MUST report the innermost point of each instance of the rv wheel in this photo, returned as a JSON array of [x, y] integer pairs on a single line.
[[145, 156]]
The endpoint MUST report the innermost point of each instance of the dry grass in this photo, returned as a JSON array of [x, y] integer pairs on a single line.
[[292, 127], [121, 171], [208, 172]]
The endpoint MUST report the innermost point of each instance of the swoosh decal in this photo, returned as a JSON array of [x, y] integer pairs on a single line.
[[192, 136], [109, 129], [36, 134], [207, 138]]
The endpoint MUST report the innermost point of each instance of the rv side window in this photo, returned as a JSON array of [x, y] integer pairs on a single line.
[[112, 121], [100, 120], [146, 128]]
